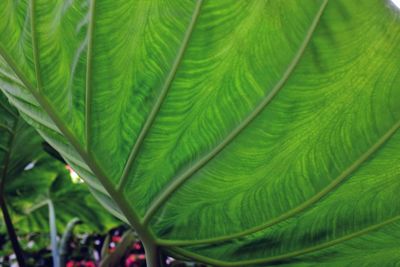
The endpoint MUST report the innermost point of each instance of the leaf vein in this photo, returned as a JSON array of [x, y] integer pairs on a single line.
[[88, 89], [290, 254], [163, 93]]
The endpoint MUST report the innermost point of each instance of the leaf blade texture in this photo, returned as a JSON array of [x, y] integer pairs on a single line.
[[230, 131]]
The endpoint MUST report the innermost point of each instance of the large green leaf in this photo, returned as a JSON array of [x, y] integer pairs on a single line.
[[233, 132]]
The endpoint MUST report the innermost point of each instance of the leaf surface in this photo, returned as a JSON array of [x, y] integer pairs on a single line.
[[232, 132]]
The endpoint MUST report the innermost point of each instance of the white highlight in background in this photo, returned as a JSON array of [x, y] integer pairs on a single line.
[[396, 3]]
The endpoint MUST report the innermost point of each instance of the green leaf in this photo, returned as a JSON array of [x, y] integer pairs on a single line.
[[19, 143], [29, 193], [231, 132]]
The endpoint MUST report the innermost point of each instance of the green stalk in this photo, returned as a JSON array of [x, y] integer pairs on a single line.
[[53, 235], [153, 257]]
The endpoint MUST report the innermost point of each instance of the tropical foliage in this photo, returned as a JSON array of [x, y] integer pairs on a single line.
[[231, 132], [35, 184]]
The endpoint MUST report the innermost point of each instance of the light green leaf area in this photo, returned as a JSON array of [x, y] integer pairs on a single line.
[[231, 132]]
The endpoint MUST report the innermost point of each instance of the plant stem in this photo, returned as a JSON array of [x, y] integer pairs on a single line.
[[153, 256], [11, 233], [53, 235]]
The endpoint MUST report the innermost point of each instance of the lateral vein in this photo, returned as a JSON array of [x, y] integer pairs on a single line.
[[163, 93], [290, 254], [88, 89]]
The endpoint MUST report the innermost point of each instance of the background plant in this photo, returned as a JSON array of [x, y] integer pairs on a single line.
[[34, 186]]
